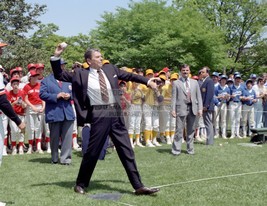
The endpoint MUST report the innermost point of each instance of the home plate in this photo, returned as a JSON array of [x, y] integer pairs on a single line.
[[249, 145], [106, 196]]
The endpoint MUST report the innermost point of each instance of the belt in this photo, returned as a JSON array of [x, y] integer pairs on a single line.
[[236, 101], [105, 106]]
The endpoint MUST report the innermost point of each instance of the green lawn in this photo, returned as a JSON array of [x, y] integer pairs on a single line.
[[222, 174]]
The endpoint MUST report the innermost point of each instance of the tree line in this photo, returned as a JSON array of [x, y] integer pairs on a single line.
[[225, 35]]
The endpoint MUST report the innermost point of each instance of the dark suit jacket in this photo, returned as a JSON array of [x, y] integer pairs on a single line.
[[207, 93], [79, 80]]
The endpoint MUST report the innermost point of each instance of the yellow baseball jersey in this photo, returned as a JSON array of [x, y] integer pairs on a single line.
[[166, 92], [137, 96], [149, 95]]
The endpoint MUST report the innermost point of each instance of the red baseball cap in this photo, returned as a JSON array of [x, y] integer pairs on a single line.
[[31, 66], [14, 79], [39, 66], [33, 73]]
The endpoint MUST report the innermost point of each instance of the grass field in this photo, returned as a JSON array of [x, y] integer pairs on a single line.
[[223, 174]]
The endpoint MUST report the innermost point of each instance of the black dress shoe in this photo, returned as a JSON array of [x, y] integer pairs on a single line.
[[146, 191], [79, 189]]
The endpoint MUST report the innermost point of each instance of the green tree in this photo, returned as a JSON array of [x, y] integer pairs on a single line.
[[16, 19], [242, 23], [153, 35]]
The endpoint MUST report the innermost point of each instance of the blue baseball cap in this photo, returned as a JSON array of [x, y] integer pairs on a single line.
[[237, 76], [216, 74], [253, 76], [223, 76]]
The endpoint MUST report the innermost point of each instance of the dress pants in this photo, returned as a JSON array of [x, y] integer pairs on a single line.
[[108, 120], [187, 121], [64, 131], [207, 117]]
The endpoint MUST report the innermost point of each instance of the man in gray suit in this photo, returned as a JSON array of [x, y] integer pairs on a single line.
[[186, 104]]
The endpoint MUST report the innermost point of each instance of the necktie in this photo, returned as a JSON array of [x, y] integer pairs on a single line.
[[188, 90], [103, 87], [60, 83]]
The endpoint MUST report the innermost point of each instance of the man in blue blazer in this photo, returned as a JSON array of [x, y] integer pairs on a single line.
[[97, 101], [207, 93], [60, 117]]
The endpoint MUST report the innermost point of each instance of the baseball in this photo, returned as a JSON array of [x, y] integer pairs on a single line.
[[63, 45]]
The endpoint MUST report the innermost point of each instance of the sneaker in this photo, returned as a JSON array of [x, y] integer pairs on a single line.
[[48, 151], [139, 144], [169, 140], [239, 137], [155, 142], [77, 148], [198, 139], [224, 137], [39, 151], [232, 137], [149, 144], [14, 151], [4, 152], [29, 150], [216, 136], [21, 152]]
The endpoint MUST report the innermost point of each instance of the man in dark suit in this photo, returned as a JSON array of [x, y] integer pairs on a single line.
[[97, 101], [207, 93]]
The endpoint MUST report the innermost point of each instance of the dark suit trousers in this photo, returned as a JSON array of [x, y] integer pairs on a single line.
[[207, 117], [108, 121]]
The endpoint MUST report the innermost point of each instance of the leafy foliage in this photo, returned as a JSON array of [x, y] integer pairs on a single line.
[[153, 35], [242, 23]]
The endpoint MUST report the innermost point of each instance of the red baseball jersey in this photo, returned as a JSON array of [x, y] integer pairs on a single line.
[[33, 93]]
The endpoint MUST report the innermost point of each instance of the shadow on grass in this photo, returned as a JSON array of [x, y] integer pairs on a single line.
[[168, 151], [42, 160], [94, 185]]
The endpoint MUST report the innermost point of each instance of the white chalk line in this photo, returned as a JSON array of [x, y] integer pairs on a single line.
[[211, 178]]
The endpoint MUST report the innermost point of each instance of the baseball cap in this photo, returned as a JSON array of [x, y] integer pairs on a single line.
[[163, 77], [223, 76], [174, 76], [12, 71], [253, 76], [14, 79], [31, 66], [166, 69], [216, 74], [149, 71], [237, 76], [39, 66], [33, 73], [230, 80]]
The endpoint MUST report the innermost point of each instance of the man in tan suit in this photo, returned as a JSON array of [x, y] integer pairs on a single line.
[[186, 104]]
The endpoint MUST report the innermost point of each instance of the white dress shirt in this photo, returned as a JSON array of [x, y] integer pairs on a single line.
[[93, 89]]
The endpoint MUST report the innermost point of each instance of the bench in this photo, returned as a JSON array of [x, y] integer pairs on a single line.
[[260, 131]]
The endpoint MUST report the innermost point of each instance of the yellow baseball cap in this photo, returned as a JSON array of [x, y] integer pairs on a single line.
[[149, 71]]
